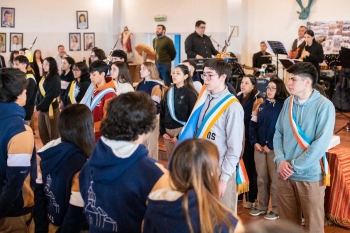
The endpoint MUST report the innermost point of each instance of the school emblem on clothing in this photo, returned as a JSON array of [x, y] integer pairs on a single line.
[[96, 215], [49, 193]]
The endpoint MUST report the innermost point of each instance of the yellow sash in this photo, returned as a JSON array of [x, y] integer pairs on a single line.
[[71, 92], [42, 91]]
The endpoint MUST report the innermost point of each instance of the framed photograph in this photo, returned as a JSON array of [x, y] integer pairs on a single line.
[[82, 20], [7, 17], [74, 42], [89, 41], [16, 41], [235, 30], [2, 42]]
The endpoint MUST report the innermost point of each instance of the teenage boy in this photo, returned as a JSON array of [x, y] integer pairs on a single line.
[[17, 155], [218, 116], [100, 92], [119, 175], [304, 130], [120, 55], [21, 62]]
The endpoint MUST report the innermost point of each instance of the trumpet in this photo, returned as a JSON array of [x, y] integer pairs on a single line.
[[302, 53]]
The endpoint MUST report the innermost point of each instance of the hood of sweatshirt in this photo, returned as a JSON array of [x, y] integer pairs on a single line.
[[11, 109], [55, 153], [109, 84], [112, 158]]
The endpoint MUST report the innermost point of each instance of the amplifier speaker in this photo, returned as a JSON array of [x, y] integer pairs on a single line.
[[327, 83]]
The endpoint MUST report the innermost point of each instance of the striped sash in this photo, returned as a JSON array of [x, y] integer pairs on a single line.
[[171, 107], [304, 142], [43, 93], [92, 102], [71, 92], [209, 120]]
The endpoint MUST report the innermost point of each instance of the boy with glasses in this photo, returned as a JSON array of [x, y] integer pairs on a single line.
[[218, 116]]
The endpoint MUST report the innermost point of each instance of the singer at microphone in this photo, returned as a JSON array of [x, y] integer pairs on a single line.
[[312, 52], [199, 45]]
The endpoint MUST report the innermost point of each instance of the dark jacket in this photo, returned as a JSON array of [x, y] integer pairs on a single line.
[[316, 55], [35, 67], [64, 79], [195, 44], [54, 203], [165, 49], [258, 60], [81, 88], [262, 126], [31, 96], [52, 89]]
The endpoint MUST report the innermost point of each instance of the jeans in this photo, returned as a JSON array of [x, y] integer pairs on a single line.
[[164, 72]]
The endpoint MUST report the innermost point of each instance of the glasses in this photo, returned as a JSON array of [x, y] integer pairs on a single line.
[[207, 76], [271, 88]]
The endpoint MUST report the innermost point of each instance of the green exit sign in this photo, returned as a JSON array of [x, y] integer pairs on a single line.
[[159, 18]]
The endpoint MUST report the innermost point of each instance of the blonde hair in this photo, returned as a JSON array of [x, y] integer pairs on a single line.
[[195, 165], [151, 67]]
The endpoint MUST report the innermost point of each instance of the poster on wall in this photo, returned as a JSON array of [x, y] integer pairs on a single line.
[[16, 41], [89, 41], [334, 34], [74, 42], [2, 42], [82, 20], [7, 17]]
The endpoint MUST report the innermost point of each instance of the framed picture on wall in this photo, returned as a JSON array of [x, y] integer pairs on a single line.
[[7, 17], [74, 42], [82, 20], [2, 42], [16, 41], [89, 41]]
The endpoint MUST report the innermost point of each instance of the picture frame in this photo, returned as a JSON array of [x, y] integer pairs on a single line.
[[3, 42], [16, 41], [235, 30], [89, 41], [74, 41], [82, 20], [7, 17]]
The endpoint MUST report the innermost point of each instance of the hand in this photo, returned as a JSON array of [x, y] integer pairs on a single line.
[[174, 140], [266, 149], [61, 106], [167, 137], [306, 54], [198, 56], [284, 169], [222, 188], [258, 147]]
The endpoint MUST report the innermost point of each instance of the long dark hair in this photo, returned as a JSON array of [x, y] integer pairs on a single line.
[[76, 125], [253, 93], [70, 62], [52, 68], [84, 69], [281, 90], [12, 56], [34, 56], [188, 83], [311, 33], [123, 74]]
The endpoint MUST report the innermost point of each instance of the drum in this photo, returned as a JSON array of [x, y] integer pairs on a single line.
[[270, 68]]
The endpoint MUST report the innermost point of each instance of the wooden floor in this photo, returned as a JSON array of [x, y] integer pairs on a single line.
[[341, 121]]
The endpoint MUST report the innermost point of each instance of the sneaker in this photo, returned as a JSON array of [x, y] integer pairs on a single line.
[[249, 205], [303, 221], [271, 216], [256, 212]]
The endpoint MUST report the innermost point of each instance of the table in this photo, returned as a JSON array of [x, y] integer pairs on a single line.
[[337, 197]]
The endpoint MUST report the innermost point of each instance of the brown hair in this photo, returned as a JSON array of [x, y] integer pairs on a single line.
[[194, 165], [123, 74], [153, 70]]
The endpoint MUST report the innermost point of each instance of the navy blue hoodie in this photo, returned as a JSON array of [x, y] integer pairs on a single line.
[[55, 198], [115, 186], [164, 215], [262, 128]]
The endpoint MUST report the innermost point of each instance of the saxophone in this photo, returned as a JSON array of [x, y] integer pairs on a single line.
[[302, 56], [227, 43]]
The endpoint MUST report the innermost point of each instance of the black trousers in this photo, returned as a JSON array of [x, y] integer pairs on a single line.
[[249, 163]]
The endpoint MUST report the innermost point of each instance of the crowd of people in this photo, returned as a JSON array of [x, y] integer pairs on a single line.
[[98, 167]]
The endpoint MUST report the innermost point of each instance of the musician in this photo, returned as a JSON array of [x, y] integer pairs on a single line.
[[258, 60], [165, 53], [198, 45], [312, 52], [298, 42]]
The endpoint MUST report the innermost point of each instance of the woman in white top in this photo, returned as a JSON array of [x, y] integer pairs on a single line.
[[121, 77]]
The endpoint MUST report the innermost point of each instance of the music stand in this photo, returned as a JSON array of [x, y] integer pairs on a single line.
[[237, 71], [277, 48], [286, 63]]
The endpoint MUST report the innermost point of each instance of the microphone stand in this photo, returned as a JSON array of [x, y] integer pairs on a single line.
[[217, 44]]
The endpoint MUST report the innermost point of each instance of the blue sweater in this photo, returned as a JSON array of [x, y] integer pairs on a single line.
[[115, 189], [316, 118], [168, 216], [17, 160], [54, 203], [150, 88], [262, 129]]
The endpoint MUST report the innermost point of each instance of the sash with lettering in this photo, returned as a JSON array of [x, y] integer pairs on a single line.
[[71, 92], [92, 102], [304, 142], [209, 120], [171, 107], [43, 93]]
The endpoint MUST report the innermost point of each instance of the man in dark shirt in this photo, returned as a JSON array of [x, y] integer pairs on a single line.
[[165, 53], [198, 45], [258, 60]]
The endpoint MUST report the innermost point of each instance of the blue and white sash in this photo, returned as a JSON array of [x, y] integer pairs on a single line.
[[171, 107], [92, 102]]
